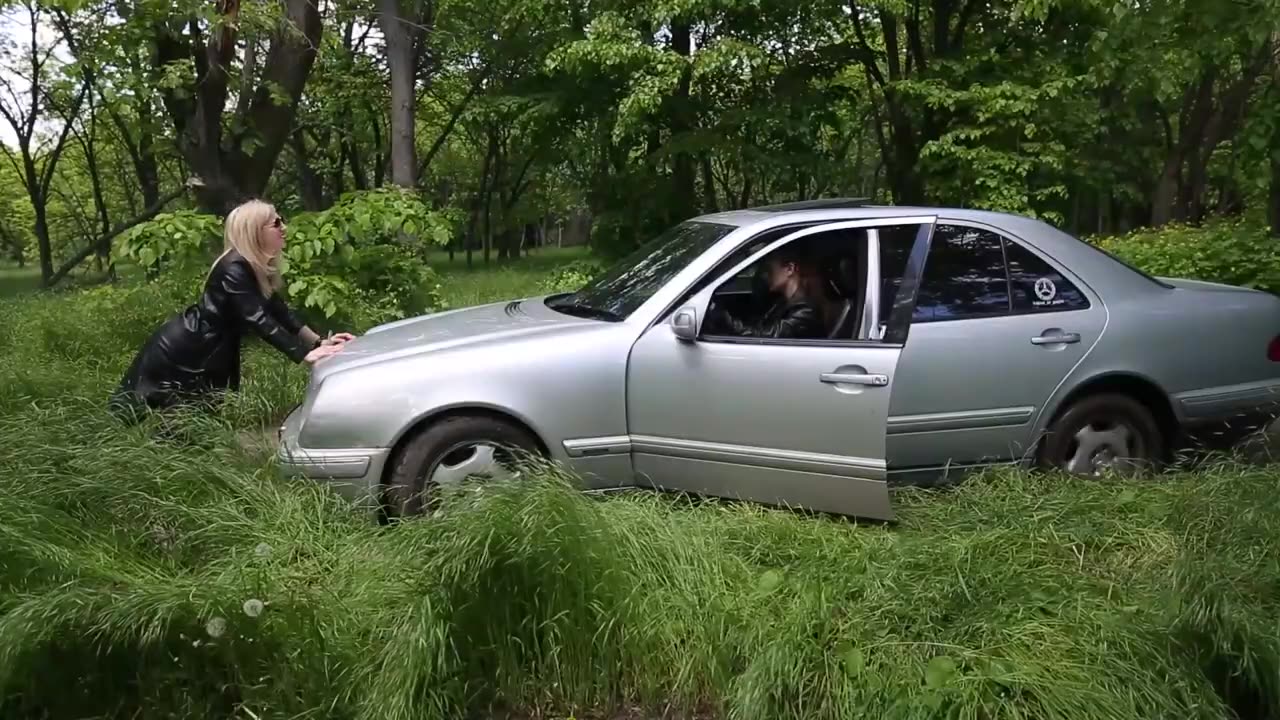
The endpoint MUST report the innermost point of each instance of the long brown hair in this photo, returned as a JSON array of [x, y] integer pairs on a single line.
[[813, 286]]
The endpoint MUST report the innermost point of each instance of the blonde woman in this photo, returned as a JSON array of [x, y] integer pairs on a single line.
[[196, 353]]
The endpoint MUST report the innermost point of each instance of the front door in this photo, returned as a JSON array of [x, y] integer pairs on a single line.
[[797, 422]]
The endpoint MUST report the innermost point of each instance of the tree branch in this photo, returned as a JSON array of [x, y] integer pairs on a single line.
[[458, 110], [46, 176], [868, 55], [105, 240]]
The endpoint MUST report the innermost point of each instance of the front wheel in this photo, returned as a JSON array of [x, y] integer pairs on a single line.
[[450, 451], [1103, 433]]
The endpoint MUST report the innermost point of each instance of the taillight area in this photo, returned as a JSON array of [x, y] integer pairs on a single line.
[[1273, 349]]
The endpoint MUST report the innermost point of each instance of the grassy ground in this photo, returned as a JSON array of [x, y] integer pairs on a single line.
[[165, 572], [15, 280], [478, 284]]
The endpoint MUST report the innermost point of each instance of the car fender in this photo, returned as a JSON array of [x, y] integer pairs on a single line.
[[562, 386], [1110, 379]]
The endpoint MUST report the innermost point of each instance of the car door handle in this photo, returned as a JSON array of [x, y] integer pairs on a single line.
[[854, 379], [1064, 339]]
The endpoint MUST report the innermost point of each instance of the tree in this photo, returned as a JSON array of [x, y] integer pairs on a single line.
[[404, 26], [37, 159], [195, 75]]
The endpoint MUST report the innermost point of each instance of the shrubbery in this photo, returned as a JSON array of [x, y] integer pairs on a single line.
[[1234, 251], [571, 276], [358, 263]]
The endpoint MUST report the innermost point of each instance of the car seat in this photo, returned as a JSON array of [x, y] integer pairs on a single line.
[[848, 282]]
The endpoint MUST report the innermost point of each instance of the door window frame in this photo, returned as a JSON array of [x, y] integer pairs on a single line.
[[1007, 238], [891, 334]]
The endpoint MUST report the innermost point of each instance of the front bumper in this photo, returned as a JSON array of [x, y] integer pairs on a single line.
[[355, 473]]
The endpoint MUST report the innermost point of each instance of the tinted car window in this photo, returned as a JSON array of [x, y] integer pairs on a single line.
[[896, 242], [964, 276], [1036, 286]]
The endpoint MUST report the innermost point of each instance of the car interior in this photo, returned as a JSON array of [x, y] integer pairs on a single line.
[[842, 260]]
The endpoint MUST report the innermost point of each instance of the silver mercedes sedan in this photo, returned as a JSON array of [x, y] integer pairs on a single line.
[[931, 342]]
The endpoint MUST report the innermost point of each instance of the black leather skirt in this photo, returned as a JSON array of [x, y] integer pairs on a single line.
[[185, 361]]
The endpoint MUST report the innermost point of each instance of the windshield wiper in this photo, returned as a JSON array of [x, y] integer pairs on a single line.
[[580, 309]]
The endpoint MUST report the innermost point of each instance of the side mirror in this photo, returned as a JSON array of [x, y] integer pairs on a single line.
[[684, 324]]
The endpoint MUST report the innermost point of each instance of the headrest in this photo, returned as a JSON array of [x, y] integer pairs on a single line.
[[844, 274]]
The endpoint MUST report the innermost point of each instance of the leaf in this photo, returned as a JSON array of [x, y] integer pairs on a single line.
[[939, 671], [769, 581], [851, 657]]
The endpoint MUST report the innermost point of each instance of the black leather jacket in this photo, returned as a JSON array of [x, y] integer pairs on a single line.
[[198, 350], [797, 318]]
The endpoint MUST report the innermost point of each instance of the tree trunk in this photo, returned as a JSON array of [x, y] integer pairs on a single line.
[[1164, 202], [232, 169], [399, 32], [308, 181], [352, 154], [709, 183], [684, 183], [41, 205]]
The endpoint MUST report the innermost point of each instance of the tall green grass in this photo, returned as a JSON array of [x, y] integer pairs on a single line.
[[164, 571]]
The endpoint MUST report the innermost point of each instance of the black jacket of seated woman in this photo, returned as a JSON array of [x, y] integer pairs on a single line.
[[799, 314], [196, 353]]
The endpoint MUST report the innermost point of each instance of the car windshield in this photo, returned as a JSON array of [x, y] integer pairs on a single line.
[[633, 280]]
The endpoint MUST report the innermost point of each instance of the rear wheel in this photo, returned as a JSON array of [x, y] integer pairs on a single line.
[[449, 452], [1103, 433]]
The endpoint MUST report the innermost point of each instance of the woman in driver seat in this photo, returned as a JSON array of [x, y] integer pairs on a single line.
[[801, 313]]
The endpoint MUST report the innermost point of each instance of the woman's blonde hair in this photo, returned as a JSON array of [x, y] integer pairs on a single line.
[[243, 233]]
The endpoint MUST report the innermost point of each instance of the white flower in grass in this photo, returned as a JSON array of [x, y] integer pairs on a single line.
[[253, 607], [216, 627], [262, 551]]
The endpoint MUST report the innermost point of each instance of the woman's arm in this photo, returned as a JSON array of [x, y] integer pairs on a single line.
[[285, 316], [799, 320], [241, 288], [281, 312]]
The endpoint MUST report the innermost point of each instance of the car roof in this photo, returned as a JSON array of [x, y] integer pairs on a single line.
[[1090, 264]]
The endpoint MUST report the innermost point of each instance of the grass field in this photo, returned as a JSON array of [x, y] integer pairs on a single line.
[[15, 280], [149, 574]]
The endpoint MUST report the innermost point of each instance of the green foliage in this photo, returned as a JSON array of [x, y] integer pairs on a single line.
[[363, 260], [1231, 251], [178, 237], [360, 262], [571, 276]]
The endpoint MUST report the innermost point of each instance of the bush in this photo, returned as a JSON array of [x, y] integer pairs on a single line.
[[571, 276], [1234, 251], [358, 263]]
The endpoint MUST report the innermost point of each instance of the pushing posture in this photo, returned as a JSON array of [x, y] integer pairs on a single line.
[[196, 353]]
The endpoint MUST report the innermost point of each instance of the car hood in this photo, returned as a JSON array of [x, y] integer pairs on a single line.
[[454, 328]]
